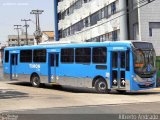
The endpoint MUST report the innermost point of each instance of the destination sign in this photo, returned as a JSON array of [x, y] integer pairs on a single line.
[[143, 45]]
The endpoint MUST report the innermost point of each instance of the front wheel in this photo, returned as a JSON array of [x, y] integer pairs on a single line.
[[35, 81], [101, 86]]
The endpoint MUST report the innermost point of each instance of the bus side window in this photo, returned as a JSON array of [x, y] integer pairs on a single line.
[[25, 56], [39, 56], [52, 60], [99, 55], [123, 60], [6, 56], [127, 60], [83, 55], [67, 55], [114, 59], [14, 58]]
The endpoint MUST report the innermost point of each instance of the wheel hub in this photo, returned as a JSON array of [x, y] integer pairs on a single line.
[[102, 85], [35, 81]]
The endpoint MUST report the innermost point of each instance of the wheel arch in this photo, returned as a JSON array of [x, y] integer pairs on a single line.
[[34, 74]]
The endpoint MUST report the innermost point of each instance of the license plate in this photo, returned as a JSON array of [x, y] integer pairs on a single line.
[[147, 84]]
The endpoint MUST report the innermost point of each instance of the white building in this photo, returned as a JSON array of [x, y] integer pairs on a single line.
[[109, 20], [13, 40]]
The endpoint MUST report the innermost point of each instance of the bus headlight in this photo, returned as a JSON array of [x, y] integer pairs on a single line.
[[136, 78]]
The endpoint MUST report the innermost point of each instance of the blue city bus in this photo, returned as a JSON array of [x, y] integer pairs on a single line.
[[105, 66]]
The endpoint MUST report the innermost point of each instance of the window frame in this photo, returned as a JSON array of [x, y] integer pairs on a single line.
[[82, 55], [25, 57], [41, 56], [73, 55], [95, 62], [6, 59]]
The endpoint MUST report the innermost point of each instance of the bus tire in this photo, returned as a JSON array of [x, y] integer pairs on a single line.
[[101, 86], [35, 81]]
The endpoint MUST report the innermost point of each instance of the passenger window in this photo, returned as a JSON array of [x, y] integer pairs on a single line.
[[123, 60], [39, 56], [114, 59], [6, 56], [14, 58], [127, 60], [25, 56], [67, 55], [99, 55], [83, 55], [52, 59]]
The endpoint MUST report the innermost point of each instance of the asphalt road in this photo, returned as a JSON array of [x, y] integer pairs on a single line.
[[100, 112], [132, 108], [69, 103]]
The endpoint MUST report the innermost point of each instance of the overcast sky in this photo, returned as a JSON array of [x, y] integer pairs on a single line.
[[12, 11]]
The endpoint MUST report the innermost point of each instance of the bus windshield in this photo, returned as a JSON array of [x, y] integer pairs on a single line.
[[144, 62]]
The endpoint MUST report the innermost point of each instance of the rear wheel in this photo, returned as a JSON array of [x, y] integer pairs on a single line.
[[101, 86], [35, 81]]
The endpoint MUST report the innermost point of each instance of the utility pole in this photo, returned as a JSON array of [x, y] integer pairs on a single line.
[[38, 33], [26, 26], [17, 27], [55, 2]]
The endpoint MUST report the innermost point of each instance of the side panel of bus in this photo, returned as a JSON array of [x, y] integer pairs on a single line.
[[80, 74]]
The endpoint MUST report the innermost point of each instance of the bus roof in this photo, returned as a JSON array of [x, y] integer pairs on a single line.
[[83, 44]]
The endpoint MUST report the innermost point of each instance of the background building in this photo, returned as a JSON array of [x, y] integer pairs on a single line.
[[1, 54], [13, 40], [109, 20], [144, 22], [47, 36]]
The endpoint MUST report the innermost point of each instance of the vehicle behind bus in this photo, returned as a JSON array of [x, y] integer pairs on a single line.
[[106, 66]]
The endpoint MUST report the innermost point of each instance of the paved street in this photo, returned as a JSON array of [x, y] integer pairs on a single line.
[[133, 108], [22, 98], [17, 96]]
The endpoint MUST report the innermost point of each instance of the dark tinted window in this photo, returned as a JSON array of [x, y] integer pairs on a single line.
[[127, 61], [114, 59], [143, 45], [14, 58], [67, 55], [83, 55], [39, 55], [100, 55], [6, 56], [53, 60], [123, 60], [26, 56]]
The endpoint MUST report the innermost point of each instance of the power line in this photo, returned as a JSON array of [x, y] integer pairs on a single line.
[[26, 26], [18, 28], [142, 1]]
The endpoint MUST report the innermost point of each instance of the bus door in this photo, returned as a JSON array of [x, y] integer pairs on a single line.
[[14, 63], [119, 68], [53, 62]]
